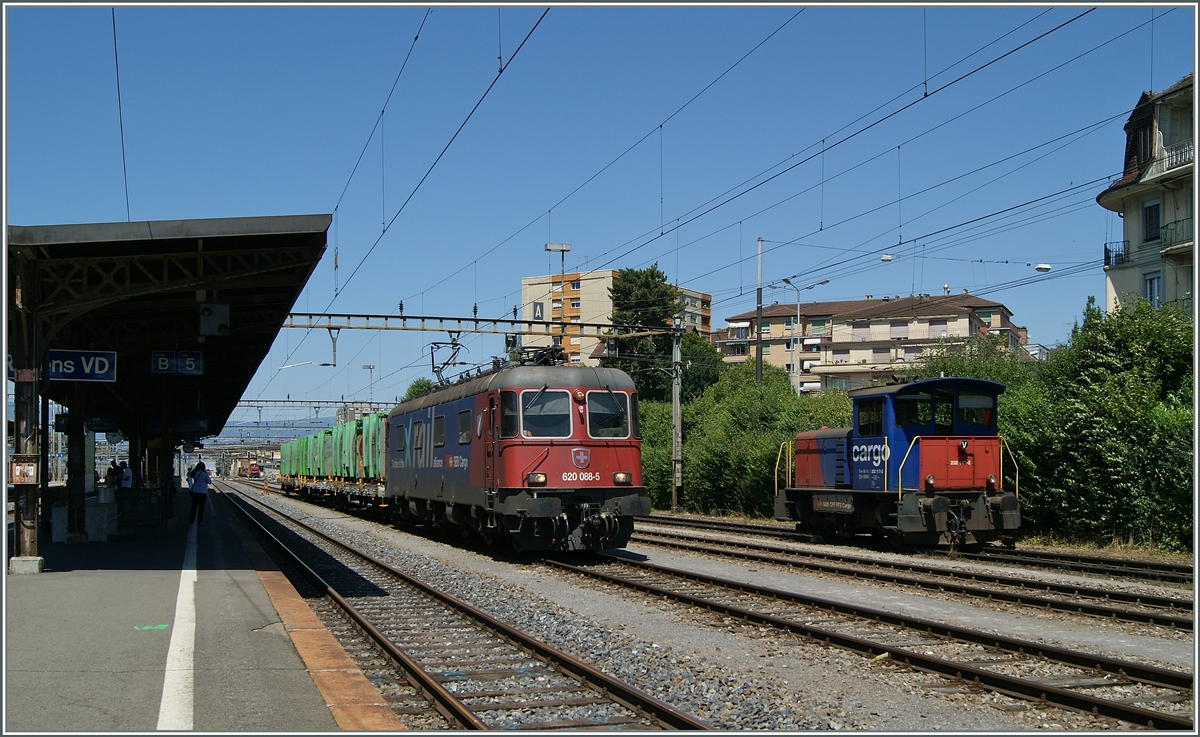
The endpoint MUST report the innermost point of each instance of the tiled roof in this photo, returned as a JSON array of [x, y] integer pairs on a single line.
[[911, 306]]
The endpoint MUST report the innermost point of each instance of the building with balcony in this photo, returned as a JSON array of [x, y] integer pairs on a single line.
[[1153, 258], [583, 296], [853, 343]]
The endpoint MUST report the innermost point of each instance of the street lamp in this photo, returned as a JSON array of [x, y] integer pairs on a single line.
[[795, 365], [370, 367]]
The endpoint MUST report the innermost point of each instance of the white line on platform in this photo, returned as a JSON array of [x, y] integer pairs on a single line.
[[175, 709]]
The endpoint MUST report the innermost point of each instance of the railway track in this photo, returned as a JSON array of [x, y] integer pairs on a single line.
[[477, 672], [1063, 597], [1134, 693], [1099, 565]]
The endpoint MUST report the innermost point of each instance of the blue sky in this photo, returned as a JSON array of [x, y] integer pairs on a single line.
[[264, 111]]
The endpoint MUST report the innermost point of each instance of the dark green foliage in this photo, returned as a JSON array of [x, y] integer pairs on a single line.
[[702, 365], [419, 388], [732, 436], [642, 297], [1107, 441], [979, 358]]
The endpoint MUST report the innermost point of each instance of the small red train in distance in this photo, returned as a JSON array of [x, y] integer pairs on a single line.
[[254, 471], [922, 465]]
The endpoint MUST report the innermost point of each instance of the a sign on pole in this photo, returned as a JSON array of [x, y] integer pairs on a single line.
[[539, 311], [187, 363], [82, 365]]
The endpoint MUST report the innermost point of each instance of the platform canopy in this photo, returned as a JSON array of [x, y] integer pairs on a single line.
[[187, 308]]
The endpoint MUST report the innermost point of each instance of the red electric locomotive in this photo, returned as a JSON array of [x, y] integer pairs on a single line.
[[544, 457], [922, 465]]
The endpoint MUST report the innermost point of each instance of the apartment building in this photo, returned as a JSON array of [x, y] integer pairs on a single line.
[[583, 296], [852, 343], [1153, 257]]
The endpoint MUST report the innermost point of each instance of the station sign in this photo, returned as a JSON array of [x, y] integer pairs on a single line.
[[187, 363], [539, 311], [67, 365]]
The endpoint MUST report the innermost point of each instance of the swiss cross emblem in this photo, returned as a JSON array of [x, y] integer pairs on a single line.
[[581, 457]]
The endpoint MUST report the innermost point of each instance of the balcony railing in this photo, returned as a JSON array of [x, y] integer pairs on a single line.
[[1173, 156], [1116, 253], [1172, 234]]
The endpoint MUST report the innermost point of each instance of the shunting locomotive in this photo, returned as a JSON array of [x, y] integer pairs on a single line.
[[921, 465], [540, 457]]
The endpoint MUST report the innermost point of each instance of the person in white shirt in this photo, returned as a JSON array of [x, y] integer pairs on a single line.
[[200, 481]]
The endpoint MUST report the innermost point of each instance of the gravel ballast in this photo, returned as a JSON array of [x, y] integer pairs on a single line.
[[734, 675]]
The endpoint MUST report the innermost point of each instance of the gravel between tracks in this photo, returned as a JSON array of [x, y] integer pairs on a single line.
[[736, 676]]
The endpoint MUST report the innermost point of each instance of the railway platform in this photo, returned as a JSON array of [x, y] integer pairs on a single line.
[[177, 628]]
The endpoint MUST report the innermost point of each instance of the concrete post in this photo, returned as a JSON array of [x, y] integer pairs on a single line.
[[676, 416]]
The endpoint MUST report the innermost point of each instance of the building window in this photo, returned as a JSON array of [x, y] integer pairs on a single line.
[[937, 328], [881, 355], [986, 317], [841, 355], [861, 331], [912, 353], [1151, 221], [1152, 288], [575, 285], [787, 367], [766, 349], [741, 333], [787, 345], [817, 327], [766, 328], [899, 330], [575, 304], [738, 349], [839, 382]]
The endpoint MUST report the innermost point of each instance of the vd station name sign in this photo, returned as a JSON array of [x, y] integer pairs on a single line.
[[66, 365]]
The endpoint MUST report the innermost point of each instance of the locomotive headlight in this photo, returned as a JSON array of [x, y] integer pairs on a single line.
[[536, 478], [622, 478], [991, 481], [929, 481], [578, 395]]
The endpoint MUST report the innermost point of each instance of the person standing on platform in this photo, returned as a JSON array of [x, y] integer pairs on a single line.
[[200, 481], [126, 476], [112, 477]]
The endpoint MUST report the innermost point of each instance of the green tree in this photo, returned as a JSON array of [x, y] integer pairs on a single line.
[[702, 365], [643, 298], [418, 388], [1103, 432]]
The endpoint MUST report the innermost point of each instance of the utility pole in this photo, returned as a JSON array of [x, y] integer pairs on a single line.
[[758, 322], [676, 415]]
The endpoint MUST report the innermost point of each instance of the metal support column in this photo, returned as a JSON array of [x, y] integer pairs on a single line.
[[676, 416]]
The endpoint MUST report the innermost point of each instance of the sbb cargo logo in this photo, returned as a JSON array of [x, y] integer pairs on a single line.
[[873, 453], [454, 462]]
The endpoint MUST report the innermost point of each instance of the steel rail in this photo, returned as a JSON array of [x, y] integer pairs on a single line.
[[631, 698], [1157, 618], [1166, 572], [1009, 685], [445, 702]]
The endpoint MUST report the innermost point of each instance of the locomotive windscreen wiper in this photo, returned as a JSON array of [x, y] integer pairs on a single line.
[[535, 397], [620, 409]]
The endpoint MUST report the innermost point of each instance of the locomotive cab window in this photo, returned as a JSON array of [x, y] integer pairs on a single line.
[[418, 432], [508, 415], [439, 431], [943, 411], [634, 428], [399, 438], [546, 414], [870, 418], [976, 409], [913, 409], [608, 414], [464, 427]]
